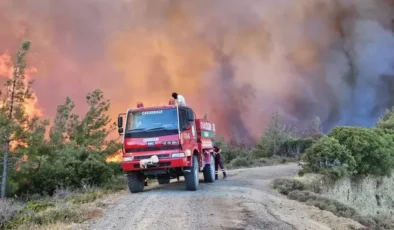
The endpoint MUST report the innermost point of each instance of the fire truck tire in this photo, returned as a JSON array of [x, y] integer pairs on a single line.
[[135, 182], [163, 179], [209, 171], [192, 177]]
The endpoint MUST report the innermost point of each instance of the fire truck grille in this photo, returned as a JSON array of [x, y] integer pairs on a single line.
[[149, 156], [154, 148], [161, 164]]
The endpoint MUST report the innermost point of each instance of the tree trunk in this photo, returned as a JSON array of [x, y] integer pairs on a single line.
[[5, 163]]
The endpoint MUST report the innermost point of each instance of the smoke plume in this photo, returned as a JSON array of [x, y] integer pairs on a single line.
[[237, 61]]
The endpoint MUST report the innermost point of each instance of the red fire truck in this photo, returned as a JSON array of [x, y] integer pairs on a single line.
[[166, 142]]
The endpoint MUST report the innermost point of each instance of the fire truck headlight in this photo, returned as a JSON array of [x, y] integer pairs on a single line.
[[127, 159], [188, 152], [178, 155]]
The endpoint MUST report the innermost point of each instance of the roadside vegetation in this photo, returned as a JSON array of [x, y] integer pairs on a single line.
[[279, 144], [310, 194], [354, 152], [53, 178]]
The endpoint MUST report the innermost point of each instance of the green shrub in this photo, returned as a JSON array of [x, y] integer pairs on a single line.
[[329, 157], [12, 187], [70, 167], [116, 184], [116, 167], [231, 154], [386, 122], [284, 146], [231, 150], [372, 149], [241, 162], [295, 147], [38, 206]]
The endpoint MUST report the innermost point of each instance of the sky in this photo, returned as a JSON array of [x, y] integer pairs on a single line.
[[236, 61]]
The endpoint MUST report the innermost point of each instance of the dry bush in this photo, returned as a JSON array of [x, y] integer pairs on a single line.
[[285, 186], [62, 193], [9, 211]]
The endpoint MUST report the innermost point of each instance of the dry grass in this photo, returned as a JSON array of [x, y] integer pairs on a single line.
[[57, 212], [60, 216], [9, 210], [323, 203], [57, 226]]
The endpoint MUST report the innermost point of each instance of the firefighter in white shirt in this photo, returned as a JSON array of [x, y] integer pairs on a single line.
[[180, 99]]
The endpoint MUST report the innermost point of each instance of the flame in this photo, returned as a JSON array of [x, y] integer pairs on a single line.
[[116, 157], [6, 70]]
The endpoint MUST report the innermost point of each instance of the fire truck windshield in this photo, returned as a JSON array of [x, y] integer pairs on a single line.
[[152, 120]]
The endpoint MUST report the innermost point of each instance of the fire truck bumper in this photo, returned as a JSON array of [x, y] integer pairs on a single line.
[[154, 162]]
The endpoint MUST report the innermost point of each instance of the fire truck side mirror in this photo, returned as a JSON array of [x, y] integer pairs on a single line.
[[190, 116], [120, 122], [120, 130]]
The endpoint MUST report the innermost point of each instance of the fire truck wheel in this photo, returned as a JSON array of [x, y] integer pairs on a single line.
[[209, 171], [192, 177], [136, 182], [163, 179]]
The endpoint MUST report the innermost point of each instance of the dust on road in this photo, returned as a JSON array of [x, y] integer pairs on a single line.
[[242, 201]]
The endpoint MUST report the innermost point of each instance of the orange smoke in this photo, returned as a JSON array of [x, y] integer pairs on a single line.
[[221, 68], [237, 61]]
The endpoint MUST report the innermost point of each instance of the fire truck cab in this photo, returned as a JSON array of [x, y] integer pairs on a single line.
[[166, 142]]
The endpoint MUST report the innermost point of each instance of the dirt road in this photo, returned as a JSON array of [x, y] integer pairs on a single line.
[[242, 201]]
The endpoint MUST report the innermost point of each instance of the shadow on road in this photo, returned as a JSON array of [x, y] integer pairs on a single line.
[[174, 185]]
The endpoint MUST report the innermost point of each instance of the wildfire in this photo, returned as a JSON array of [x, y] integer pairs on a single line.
[[6, 70], [116, 157]]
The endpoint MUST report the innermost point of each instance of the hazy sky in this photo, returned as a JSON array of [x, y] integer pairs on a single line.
[[238, 61]]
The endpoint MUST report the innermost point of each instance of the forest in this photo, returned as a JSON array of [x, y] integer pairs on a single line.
[[44, 158]]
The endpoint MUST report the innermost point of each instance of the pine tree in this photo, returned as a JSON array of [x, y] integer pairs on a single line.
[[58, 132], [89, 132], [274, 137], [13, 118]]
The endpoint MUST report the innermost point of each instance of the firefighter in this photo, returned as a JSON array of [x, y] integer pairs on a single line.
[[218, 162], [180, 99]]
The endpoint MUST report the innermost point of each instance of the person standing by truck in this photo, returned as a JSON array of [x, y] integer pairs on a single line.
[[218, 162], [180, 99]]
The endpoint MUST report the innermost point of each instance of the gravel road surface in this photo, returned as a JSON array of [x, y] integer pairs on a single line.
[[242, 201]]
